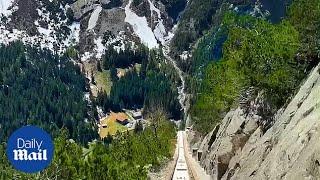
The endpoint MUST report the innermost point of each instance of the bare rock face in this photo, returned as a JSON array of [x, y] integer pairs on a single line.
[[224, 142], [82, 7], [289, 149]]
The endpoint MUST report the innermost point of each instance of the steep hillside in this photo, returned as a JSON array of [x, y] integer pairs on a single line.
[[255, 100], [238, 148], [42, 23], [201, 15]]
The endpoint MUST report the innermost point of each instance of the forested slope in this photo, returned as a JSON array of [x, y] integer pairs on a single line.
[[46, 90], [39, 88], [150, 85], [271, 58], [124, 156]]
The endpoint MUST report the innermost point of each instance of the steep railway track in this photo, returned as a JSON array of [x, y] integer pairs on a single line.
[[181, 170], [187, 167]]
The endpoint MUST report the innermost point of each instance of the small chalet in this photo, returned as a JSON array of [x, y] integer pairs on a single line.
[[122, 120]]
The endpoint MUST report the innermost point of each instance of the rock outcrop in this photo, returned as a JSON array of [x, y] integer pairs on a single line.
[[82, 7], [240, 148]]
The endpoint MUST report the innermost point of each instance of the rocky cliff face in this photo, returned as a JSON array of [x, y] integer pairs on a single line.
[[242, 148]]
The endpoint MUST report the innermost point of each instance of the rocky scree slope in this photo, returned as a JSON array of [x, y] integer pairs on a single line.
[[89, 26], [239, 148]]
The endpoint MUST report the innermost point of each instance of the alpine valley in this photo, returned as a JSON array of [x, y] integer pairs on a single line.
[[164, 89]]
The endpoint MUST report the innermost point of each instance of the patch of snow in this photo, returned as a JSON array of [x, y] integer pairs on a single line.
[[86, 56], [36, 23], [140, 27], [100, 48], [105, 1], [94, 18], [170, 35], [185, 55], [159, 30], [48, 36], [118, 43], [44, 31], [74, 36], [4, 7], [86, 97], [258, 11], [153, 8], [100, 112]]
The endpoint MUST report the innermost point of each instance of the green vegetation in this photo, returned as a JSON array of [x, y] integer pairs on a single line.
[[112, 127], [203, 15], [305, 16], [126, 156], [103, 81], [71, 52], [256, 54], [124, 58], [39, 88], [199, 16], [128, 91], [153, 85], [209, 48], [42, 89]]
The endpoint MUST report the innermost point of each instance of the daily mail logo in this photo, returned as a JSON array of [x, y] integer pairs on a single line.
[[22, 153], [30, 149]]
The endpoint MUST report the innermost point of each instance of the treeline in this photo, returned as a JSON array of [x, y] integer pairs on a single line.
[[39, 88], [272, 58], [124, 58], [125, 156], [151, 85]]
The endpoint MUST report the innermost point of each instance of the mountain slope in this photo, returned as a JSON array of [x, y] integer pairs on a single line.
[[239, 149], [89, 26]]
